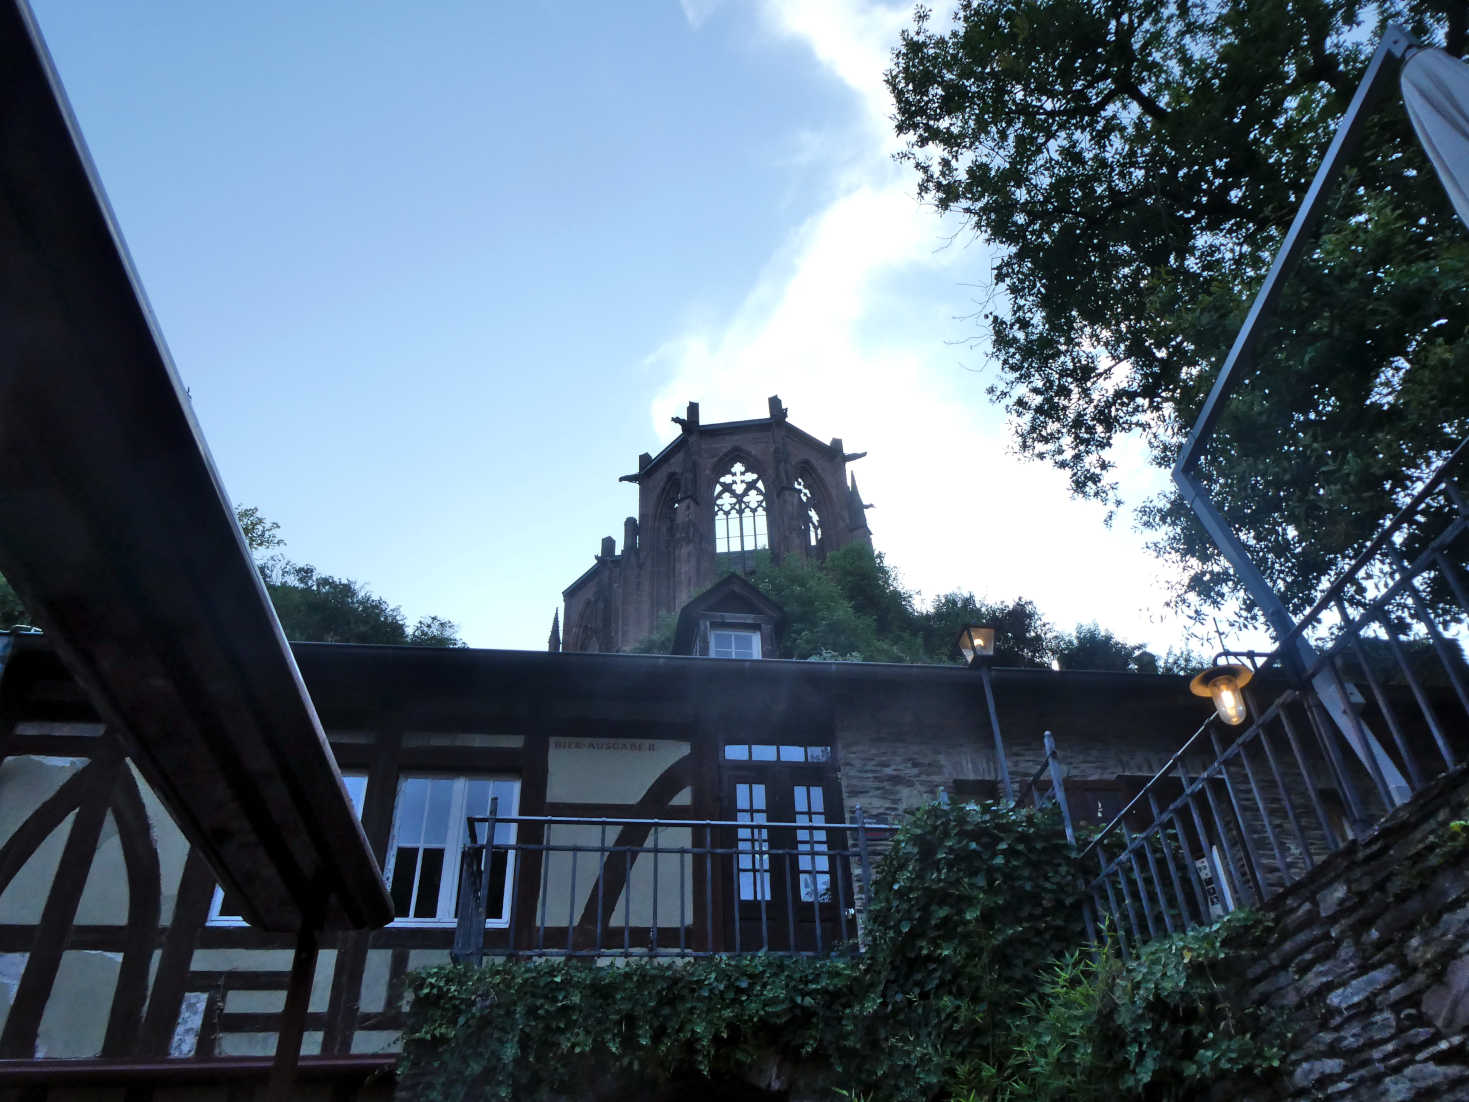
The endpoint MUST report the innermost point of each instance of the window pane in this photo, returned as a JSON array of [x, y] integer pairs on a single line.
[[497, 904], [763, 753], [737, 753], [507, 793], [436, 823], [356, 784], [792, 753], [412, 798], [477, 797], [818, 753], [405, 866], [426, 905]]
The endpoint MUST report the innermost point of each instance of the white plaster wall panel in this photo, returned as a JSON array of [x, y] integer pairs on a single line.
[[104, 900], [75, 1019], [25, 898], [594, 770], [168, 842], [373, 996]]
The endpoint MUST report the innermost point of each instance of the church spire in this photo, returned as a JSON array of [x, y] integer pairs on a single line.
[[553, 644]]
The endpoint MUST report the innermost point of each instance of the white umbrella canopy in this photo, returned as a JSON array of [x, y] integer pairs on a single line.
[[1436, 92]]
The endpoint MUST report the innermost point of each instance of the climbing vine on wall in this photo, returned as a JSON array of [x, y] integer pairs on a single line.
[[971, 984]]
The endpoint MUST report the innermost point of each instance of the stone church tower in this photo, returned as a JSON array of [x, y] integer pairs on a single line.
[[707, 503]]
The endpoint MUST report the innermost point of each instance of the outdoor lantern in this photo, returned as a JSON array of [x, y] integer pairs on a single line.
[[977, 642], [1224, 683]]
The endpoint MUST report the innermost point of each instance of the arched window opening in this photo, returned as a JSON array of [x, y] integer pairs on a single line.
[[739, 516], [811, 521]]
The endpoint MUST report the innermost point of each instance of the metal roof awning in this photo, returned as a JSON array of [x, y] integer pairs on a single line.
[[116, 531]]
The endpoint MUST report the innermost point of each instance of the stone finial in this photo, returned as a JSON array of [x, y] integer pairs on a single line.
[[609, 548], [553, 643], [644, 461], [629, 535], [777, 411], [689, 422]]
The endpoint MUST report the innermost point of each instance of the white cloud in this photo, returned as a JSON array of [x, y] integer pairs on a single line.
[[852, 322], [851, 39], [697, 12]]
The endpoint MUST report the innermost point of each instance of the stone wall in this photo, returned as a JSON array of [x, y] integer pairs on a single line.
[[899, 743], [1369, 961]]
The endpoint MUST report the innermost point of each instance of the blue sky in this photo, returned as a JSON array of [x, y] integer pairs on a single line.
[[435, 274]]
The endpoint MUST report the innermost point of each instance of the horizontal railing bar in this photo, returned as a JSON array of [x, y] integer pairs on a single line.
[[554, 820], [660, 952], [695, 851]]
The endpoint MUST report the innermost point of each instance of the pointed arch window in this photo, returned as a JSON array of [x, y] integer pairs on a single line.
[[812, 519], [739, 515]]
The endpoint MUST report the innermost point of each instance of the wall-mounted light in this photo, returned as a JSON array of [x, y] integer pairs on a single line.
[[1223, 685]]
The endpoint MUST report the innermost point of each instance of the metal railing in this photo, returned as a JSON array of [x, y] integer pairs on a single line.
[[1232, 821], [567, 886]]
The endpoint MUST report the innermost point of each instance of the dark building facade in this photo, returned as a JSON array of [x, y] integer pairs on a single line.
[[708, 503], [123, 960]]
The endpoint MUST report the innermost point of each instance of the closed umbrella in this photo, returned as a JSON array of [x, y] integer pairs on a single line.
[[1436, 91]]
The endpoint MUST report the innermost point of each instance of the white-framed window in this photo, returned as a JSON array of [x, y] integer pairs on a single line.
[[225, 911], [734, 643], [429, 833], [769, 752], [811, 844], [753, 843]]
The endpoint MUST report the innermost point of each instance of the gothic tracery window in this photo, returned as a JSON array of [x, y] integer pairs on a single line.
[[812, 520], [739, 515]]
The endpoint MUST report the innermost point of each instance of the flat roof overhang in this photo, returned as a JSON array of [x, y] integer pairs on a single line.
[[117, 533]]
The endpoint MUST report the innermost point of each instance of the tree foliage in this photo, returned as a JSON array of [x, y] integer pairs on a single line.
[[319, 608], [852, 606], [311, 606], [1135, 167]]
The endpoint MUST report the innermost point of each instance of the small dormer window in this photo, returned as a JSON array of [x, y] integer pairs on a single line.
[[734, 643]]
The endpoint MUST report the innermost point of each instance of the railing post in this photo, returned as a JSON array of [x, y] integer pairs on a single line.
[[865, 872], [469, 934], [1058, 788]]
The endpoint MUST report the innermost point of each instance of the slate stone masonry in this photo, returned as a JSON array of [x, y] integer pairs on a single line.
[[1368, 960]]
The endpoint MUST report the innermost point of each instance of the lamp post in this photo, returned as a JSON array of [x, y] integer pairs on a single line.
[[977, 644]]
